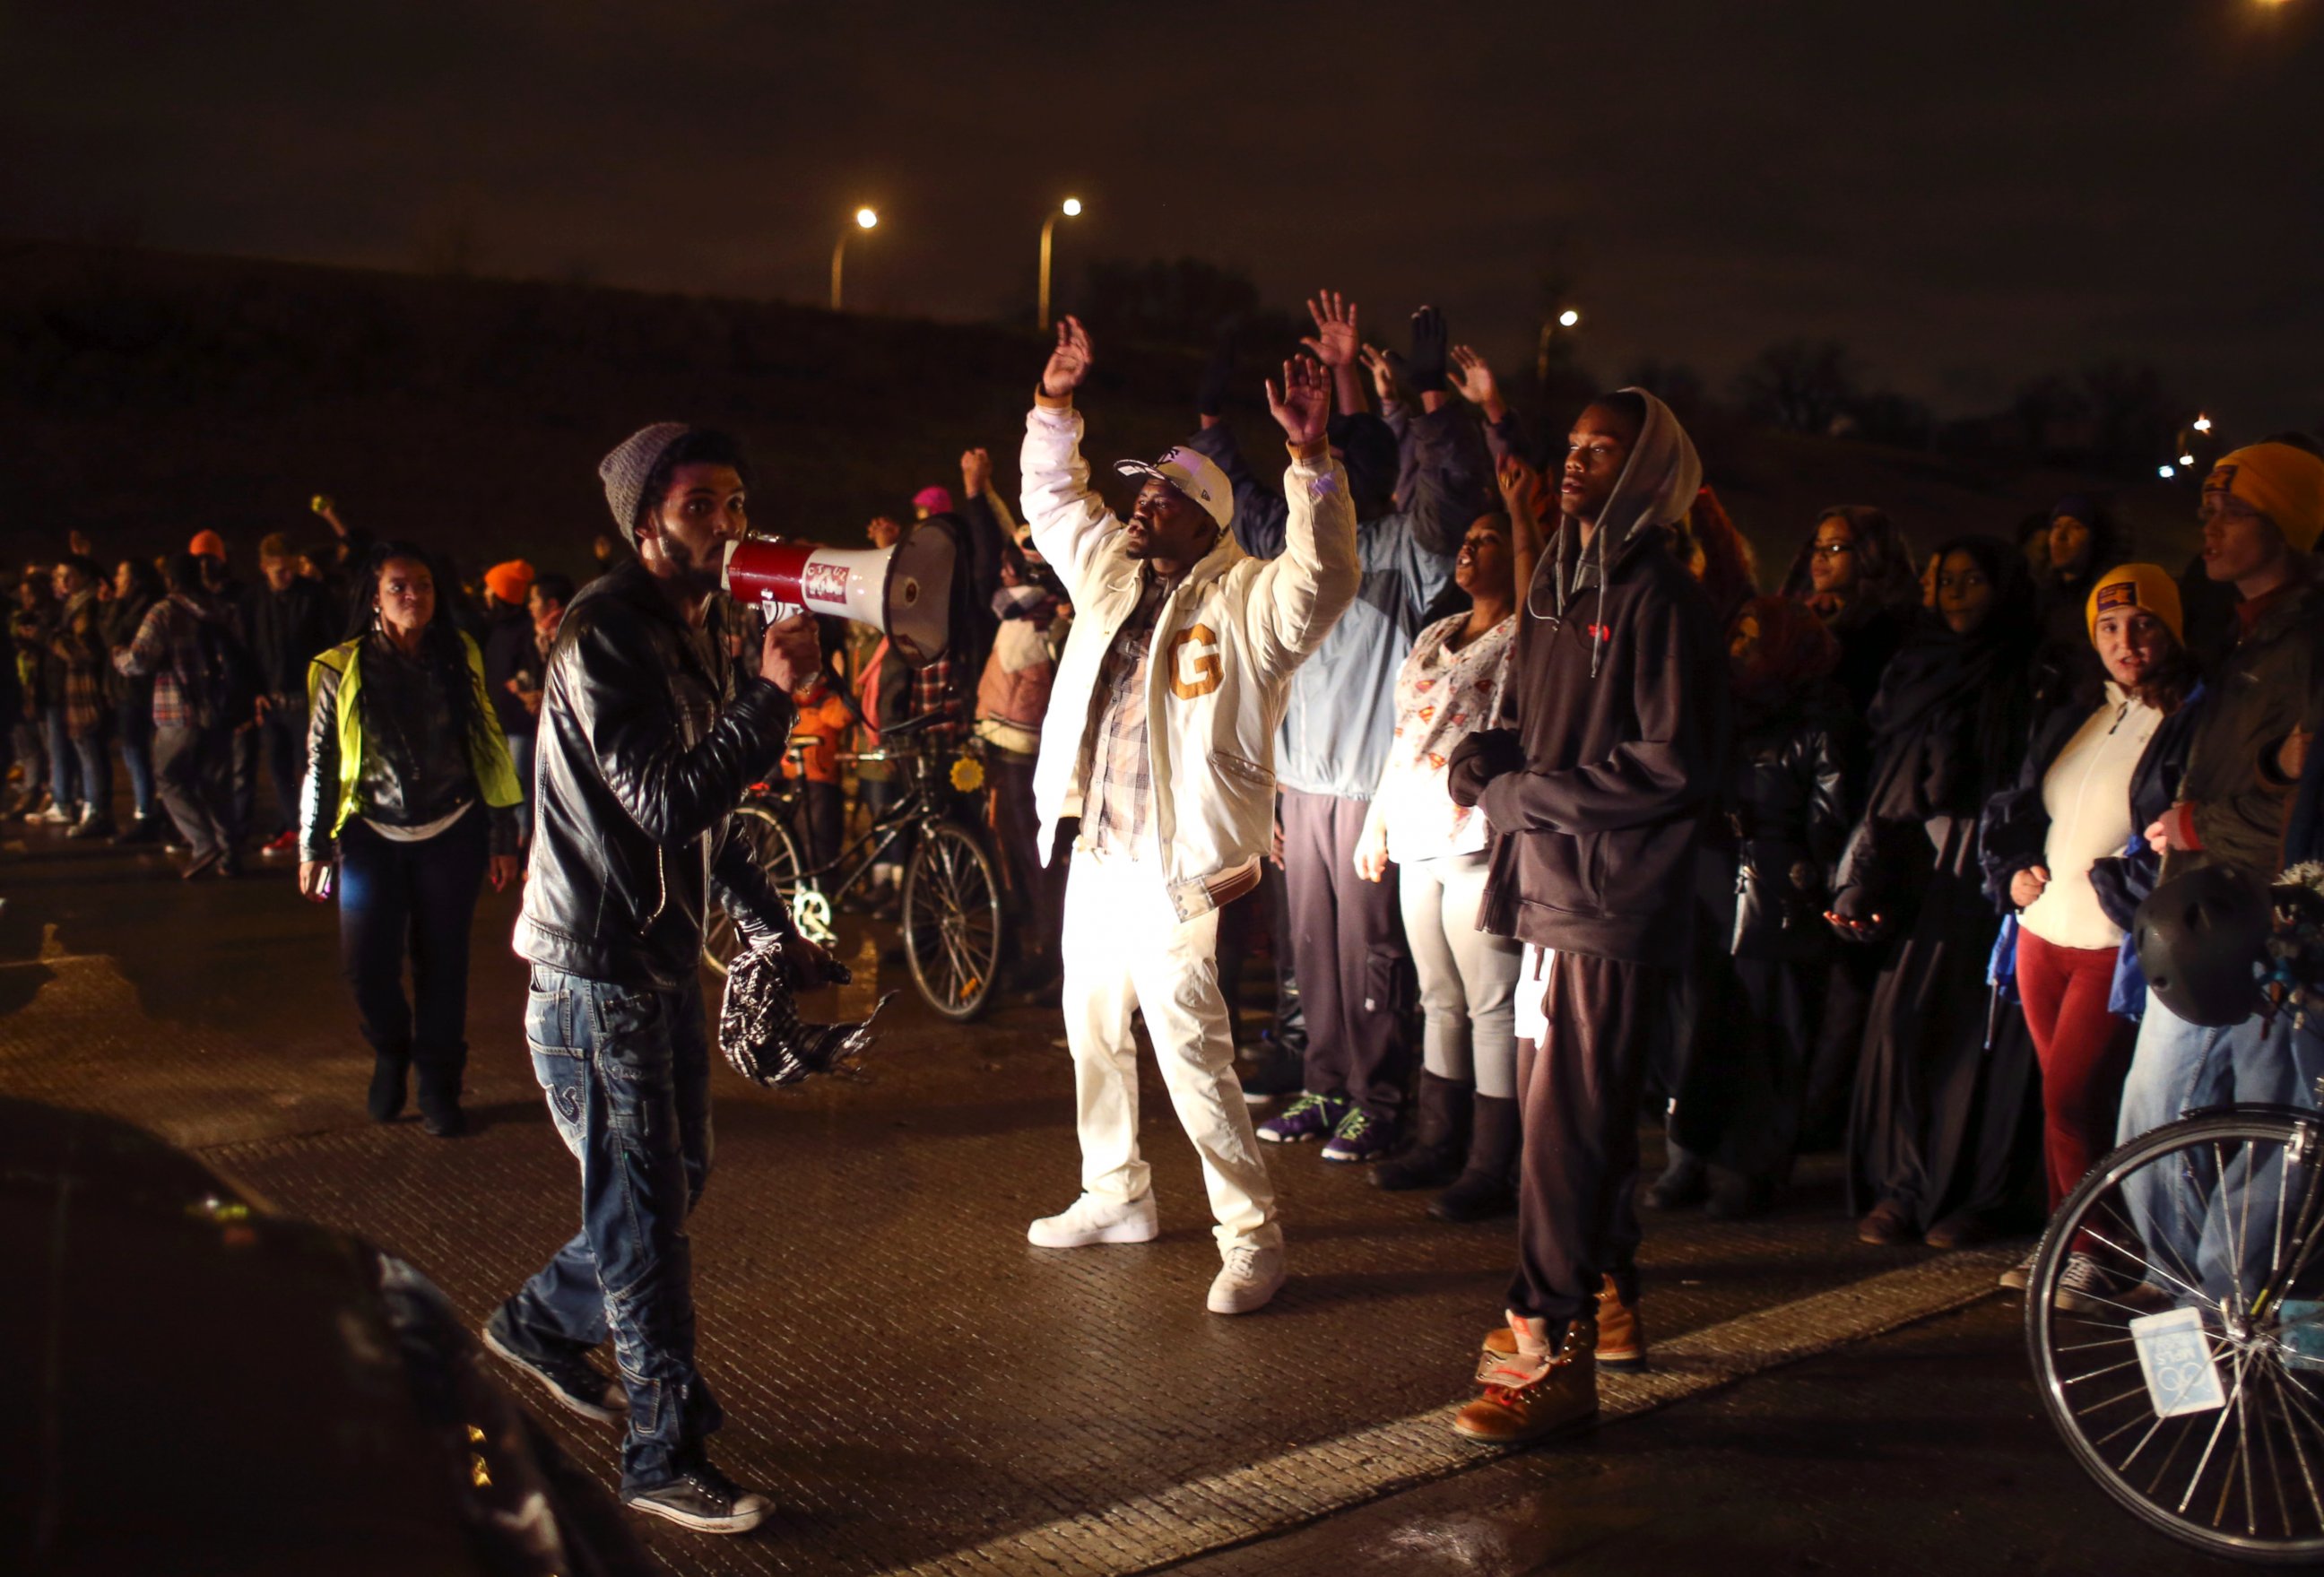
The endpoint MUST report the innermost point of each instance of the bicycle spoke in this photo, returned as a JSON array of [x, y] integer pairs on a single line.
[[2291, 1433]]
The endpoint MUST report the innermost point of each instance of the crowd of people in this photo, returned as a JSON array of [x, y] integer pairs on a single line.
[[1558, 814]]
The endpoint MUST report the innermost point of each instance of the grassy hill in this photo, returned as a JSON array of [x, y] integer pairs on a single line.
[[145, 396]]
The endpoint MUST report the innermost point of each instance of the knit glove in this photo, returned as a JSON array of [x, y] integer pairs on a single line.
[[1426, 369]]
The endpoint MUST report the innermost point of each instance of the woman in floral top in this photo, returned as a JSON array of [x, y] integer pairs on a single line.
[[1446, 689]]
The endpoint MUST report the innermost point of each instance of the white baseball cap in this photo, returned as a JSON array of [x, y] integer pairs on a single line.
[[1192, 473]]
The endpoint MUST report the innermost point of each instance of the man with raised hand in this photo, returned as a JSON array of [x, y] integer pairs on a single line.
[[1160, 738]]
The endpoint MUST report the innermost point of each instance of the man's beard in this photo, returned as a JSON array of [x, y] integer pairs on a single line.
[[692, 572]]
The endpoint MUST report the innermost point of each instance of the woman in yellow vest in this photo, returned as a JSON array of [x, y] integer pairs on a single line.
[[410, 794]]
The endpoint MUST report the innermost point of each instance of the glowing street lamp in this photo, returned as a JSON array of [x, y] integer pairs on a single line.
[[1568, 317], [1070, 209], [1565, 319], [2166, 472], [2202, 424], [865, 218], [2186, 459]]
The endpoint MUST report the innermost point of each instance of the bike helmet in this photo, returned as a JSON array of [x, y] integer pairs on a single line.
[[2202, 942]]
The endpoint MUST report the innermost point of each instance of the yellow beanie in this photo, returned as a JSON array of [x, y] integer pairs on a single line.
[[2283, 483], [2137, 585]]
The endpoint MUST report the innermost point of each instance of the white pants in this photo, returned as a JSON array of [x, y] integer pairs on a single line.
[[1468, 978], [1126, 950]]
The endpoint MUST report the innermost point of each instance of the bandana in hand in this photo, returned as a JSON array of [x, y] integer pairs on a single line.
[[763, 1035]]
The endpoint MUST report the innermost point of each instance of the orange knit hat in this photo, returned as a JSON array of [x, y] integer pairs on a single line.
[[2137, 585], [207, 545], [2282, 483], [509, 582]]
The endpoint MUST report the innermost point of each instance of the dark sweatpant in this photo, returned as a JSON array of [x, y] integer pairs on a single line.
[[1577, 1089], [1347, 945]]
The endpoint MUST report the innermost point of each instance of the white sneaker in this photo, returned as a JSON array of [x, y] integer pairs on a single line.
[[2083, 1288], [2014, 1279], [1091, 1220], [1249, 1280]]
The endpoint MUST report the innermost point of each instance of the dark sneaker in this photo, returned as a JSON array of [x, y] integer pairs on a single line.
[[706, 1501], [1360, 1137], [1308, 1117], [578, 1385], [1270, 1071]]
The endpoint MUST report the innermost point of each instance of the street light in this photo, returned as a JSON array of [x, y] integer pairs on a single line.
[[2166, 472], [1070, 209], [2202, 424], [864, 219], [1569, 317], [1565, 319]]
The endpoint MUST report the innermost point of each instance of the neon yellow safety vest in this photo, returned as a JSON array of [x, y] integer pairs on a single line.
[[488, 752]]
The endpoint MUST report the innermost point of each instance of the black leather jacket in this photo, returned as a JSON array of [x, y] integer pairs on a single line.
[[647, 743]]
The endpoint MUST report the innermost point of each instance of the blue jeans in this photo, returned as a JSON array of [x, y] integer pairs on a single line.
[[2199, 1222], [135, 717], [64, 763], [416, 900], [627, 1074]]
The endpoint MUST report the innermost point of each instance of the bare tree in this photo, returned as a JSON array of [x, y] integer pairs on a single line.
[[1799, 384]]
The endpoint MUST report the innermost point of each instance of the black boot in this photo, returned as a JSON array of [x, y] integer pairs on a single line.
[[1487, 1186], [1685, 1181], [1440, 1138], [388, 1069], [439, 1094]]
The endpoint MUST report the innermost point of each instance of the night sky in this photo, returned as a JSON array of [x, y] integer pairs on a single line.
[[1967, 193]]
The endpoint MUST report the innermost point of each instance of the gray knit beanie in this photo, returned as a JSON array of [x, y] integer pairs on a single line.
[[625, 470]]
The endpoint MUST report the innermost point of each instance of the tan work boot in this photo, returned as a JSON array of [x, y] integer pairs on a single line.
[[1621, 1337], [1546, 1385]]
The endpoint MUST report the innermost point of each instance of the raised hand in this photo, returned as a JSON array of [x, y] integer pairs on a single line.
[[1335, 340], [1303, 403], [1522, 490], [1383, 372], [1476, 382], [976, 472], [1427, 368], [1070, 363]]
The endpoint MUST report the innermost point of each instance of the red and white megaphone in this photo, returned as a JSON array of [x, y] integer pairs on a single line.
[[904, 591]]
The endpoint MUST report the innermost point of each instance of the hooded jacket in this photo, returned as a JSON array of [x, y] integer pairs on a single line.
[[1618, 677], [1226, 641], [1341, 709]]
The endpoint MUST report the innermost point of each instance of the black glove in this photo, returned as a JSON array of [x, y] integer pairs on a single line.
[[1485, 755], [1210, 393], [1426, 371]]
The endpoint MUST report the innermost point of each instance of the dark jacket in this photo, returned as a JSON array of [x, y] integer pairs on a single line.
[[288, 630], [1784, 817], [647, 743], [2013, 832], [2258, 692], [1596, 802], [510, 650], [387, 745]]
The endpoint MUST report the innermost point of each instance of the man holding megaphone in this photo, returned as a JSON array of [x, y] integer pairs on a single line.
[[649, 739], [1160, 738]]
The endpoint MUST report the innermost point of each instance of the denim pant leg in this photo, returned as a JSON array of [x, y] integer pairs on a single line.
[[135, 718], [376, 914], [447, 872], [64, 766], [627, 1076], [2272, 1063], [96, 773], [2175, 1069]]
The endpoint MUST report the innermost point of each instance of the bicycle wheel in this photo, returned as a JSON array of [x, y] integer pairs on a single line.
[[771, 841], [952, 921], [2174, 1323]]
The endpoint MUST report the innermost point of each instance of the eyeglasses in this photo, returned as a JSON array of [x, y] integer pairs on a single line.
[[1831, 549]]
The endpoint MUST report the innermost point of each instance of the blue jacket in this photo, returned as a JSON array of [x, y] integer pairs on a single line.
[[1341, 708]]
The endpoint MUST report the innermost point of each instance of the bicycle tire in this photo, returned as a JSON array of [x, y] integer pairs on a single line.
[[2261, 1321], [778, 856], [951, 919]]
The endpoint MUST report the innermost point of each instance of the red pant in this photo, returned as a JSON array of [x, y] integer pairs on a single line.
[[2085, 1052]]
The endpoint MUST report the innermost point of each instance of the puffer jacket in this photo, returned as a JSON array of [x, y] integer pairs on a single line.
[[1226, 642], [647, 744]]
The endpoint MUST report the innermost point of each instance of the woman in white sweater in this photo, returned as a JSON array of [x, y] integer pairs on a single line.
[[2063, 850]]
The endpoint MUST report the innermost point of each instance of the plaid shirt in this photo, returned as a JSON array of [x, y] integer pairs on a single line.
[[1118, 805], [168, 647], [932, 691]]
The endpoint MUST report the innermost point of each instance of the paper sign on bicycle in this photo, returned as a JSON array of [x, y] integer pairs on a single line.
[[2182, 1375]]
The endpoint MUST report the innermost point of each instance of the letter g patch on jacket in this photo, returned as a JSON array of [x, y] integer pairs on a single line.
[[1195, 668]]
